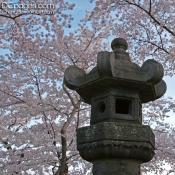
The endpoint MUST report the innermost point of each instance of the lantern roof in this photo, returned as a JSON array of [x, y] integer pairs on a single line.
[[116, 70]]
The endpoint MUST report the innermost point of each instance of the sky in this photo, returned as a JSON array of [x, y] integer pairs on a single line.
[[170, 86], [79, 11]]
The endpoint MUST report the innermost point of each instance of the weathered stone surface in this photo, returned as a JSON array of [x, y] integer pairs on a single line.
[[73, 77], [116, 105], [116, 142], [116, 167], [116, 131]]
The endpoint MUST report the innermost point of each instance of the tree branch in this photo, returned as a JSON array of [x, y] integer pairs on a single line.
[[152, 17]]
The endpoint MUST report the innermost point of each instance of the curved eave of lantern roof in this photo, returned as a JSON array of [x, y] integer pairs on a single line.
[[146, 91], [115, 70]]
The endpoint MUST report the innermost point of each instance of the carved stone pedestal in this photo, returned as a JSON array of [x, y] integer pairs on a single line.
[[116, 148]]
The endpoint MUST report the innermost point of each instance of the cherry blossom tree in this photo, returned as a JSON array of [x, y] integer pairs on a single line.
[[39, 115]]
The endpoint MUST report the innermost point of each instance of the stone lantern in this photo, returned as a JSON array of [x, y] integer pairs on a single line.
[[116, 142]]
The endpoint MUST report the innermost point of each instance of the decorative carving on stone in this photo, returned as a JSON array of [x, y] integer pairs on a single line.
[[115, 140]]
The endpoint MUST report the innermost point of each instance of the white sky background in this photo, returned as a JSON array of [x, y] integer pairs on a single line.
[[170, 86], [170, 81]]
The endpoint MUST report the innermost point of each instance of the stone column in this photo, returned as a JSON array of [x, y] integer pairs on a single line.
[[117, 142]]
